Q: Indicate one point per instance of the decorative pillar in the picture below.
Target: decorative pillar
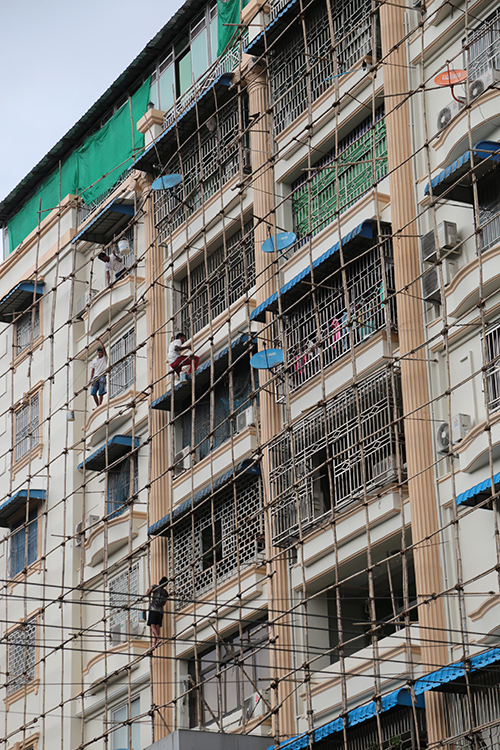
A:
(414, 377)
(162, 674)
(270, 412)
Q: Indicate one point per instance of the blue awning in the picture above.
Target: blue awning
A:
(161, 527)
(455, 182)
(108, 223)
(479, 492)
(442, 677)
(117, 447)
(161, 150)
(19, 299)
(182, 390)
(273, 29)
(300, 285)
(11, 504)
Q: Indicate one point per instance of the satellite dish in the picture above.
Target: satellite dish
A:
(167, 182)
(267, 359)
(279, 242)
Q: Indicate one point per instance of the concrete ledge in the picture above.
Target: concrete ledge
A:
(192, 739)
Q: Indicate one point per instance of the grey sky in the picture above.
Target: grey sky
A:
(56, 59)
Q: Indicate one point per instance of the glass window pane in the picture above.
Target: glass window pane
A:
(199, 52)
(167, 88)
(184, 73)
(213, 38)
(153, 95)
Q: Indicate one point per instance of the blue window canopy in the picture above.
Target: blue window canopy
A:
(162, 527)
(182, 390)
(455, 182)
(212, 98)
(274, 29)
(12, 504)
(479, 492)
(19, 299)
(108, 223)
(359, 239)
(117, 447)
(451, 678)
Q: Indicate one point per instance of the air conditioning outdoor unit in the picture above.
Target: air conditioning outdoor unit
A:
(430, 280)
(136, 627)
(254, 706)
(81, 527)
(183, 460)
(447, 114)
(447, 240)
(443, 438)
(460, 426)
(479, 85)
(117, 633)
(244, 419)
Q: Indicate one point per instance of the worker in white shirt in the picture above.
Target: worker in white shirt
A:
(114, 265)
(175, 358)
(99, 365)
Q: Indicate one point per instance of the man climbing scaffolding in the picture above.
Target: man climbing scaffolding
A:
(175, 358)
(155, 615)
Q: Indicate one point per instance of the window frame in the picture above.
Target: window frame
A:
(19, 524)
(33, 683)
(124, 361)
(34, 323)
(125, 608)
(128, 722)
(35, 434)
(129, 464)
(492, 365)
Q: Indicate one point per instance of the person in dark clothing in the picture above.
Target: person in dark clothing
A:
(155, 615)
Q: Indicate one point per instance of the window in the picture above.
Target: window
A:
(23, 543)
(21, 644)
(123, 483)
(26, 427)
(492, 346)
(122, 366)
(124, 603)
(484, 46)
(488, 189)
(27, 329)
(232, 670)
(126, 736)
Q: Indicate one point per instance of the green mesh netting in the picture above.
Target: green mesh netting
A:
(90, 170)
(228, 15)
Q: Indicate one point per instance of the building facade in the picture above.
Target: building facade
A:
(316, 207)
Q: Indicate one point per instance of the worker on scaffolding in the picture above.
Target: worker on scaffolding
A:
(114, 265)
(175, 357)
(159, 597)
(99, 365)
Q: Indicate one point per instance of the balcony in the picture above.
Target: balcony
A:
(110, 302)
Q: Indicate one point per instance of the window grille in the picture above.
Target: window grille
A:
(24, 543)
(206, 162)
(308, 349)
(119, 490)
(483, 731)
(489, 211)
(403, 728)
(27, 420)
(122, 366)
(238, 544)
(218, 281)
(492, 345)
(361, 163)
(125, 608)
(318, 465)
(484, 47)
(352, 23)
(27, 329)
(22, 656)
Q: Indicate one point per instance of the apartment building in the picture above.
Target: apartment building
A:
(316, 206)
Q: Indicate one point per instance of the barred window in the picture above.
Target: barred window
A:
(484, 46)
(124, 604)
(23, 543)
(492, 346)
(26, 427)
(122, 366)
(123, 484)
(27, 329)
(21, 644)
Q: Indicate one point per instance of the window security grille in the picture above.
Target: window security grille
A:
(361, 163)
(307, 348)
(27, 329)
(122, 366)
(492, 345)
(218, 281)
(237, 545)
(119, 489)
(489, 210)
(352, 24)
(125, 608)
(485, 699)
(27, 420)
(484, 47)
(319, 464)
(402, 729)
(22, 656)
(24, 543)
(205, 166)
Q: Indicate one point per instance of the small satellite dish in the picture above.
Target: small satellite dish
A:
(167, 182)
(450, 78)
(267, 359)
(279, 242)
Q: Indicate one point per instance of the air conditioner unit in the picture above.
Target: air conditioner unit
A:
(430, 280)
(81, 528)
(443, 438)
(183, 460)
(254, 706)
(460, 426)
(447, 114)
(117, 633)
(136, 627)
(479, 85)
(244, 419)
(384, 467)
(447, 239)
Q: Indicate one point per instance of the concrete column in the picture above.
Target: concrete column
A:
(415, 386)
(162, 673)
(270, 413)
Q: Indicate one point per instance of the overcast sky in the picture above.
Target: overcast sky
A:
(56, 58)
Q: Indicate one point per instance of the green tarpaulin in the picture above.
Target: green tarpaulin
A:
(90, 170)
(228, 12)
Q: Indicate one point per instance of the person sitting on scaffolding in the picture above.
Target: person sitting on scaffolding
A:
(175, 357)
